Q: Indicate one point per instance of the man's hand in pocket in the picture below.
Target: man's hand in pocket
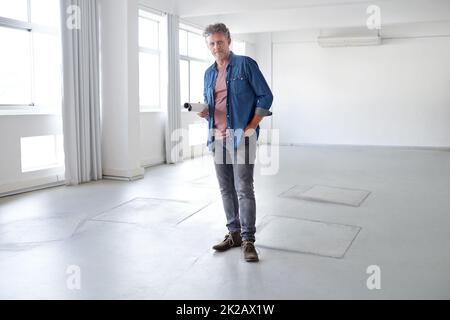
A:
(249, 131)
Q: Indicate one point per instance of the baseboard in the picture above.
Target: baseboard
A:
(123, 175)
(435, 148)
(31, 185)
(146, 163)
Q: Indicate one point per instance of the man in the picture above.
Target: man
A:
(238, 98)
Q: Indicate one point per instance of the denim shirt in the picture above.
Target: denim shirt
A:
(248, 94)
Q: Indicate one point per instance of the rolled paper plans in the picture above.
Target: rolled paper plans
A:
(197, 107)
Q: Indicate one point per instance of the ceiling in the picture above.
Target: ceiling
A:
(253, 16)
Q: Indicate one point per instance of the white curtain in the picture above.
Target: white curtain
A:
(81, 98)
(174, 146)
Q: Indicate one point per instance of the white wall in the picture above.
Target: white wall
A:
(263, 56)
(12, 128)
(152, 138)
(393, 94)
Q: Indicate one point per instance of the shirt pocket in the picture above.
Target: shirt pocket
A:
(239, 83)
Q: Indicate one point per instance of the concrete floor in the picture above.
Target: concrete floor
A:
(404, 230)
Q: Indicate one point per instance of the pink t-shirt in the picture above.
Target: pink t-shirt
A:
(220, 96)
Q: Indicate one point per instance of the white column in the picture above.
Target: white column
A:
(120, 89)
(173, 119)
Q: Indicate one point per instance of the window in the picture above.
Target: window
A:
(184, 81)
(238, 47)
(196, 78)
(14, 9)
(30, 58)
(149, 61)
(15, 66)
(197, 46)
(195, 58)
(41, 152)
(45, 12)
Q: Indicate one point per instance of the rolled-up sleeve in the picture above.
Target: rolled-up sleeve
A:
(260, 87)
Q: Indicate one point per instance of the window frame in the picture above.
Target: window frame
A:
(32, 107)
(183, 26)
(154, 16)
(26, 27)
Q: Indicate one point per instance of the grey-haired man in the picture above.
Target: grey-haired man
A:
(238, 98)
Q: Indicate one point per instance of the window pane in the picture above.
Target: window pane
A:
(41, 152)
(14, 9)
(15, 67)
(197, 75)
(183, 42)
(47, 71)
(197, 46)
(238, 47)
(149, 80)
(148, 33)
(45, 12)
(184, 81)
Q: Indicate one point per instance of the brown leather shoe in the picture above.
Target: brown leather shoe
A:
(250, 254)
(232, 239)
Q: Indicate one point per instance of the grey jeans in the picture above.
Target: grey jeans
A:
(234, 170)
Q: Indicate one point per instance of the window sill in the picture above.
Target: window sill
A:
(43, 168)
(24, 112)
(151, 111)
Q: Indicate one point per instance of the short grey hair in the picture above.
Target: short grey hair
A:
(217, 28)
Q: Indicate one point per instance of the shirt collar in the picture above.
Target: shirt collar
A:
(231, 59)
